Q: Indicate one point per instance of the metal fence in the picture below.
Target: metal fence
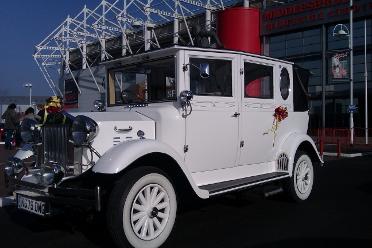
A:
(340, 137)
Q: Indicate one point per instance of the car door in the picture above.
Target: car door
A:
(212, 126)
(257, 109)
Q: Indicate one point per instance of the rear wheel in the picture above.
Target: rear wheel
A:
(301, 183)
(142, 209)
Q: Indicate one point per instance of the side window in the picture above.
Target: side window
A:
(284, 84)
(219, 82)
(258, 81)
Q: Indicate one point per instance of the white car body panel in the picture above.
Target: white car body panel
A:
(211, 126)
(170, 126)
(124, 119)
(121, 156)
(229, 174)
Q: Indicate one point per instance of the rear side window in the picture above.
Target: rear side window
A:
(284, 84)
(300, 85)
(258, 81)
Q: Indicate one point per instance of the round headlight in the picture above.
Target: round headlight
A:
(15, 166)
(52, 174)
(84, 130)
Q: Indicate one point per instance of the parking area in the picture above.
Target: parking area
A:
(4, 155)
(337, 215)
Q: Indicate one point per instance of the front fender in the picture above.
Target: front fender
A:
(291, 144)
(124, 154)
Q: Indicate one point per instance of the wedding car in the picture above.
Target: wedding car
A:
(175, 122)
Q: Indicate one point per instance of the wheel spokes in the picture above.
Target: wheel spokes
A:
(157, 223)
(142, 198)
(138, 207)
(138, 216)
(159, 198)
(162, 205)
(150, 212)
(144, 228)
(303, 177)
(140, 223)
(154, 194)
(162, 215)
(151, 228)
(148, 195)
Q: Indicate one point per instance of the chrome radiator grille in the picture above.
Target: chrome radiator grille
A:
(55, 143)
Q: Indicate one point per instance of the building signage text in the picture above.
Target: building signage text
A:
(310, 13)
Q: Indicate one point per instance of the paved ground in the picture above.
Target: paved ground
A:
(338, 215)
(4, 155)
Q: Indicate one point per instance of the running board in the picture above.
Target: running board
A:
(224, 187)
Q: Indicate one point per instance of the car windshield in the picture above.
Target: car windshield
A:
(147, 82)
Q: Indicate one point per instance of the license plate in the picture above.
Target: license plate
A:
(31, 205)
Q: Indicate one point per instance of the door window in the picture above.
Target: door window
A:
(219, 81)
(258, 81)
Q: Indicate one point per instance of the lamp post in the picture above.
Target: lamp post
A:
(351, 74)
(342, 30)
(365, 82)
(29, 85)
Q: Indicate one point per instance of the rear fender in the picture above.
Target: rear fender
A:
(124, 154)
(293, 143)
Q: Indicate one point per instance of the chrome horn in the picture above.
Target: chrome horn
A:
(185, 97)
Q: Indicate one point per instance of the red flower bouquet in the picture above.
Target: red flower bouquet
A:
(280, 114)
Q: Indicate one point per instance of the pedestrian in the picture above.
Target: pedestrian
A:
(30, 114)
(11, 123)
(29, 120)
(40, 113)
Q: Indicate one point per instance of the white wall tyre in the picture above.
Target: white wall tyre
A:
(301, 183)
(142, 209)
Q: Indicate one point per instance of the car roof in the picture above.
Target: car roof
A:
(176, 48)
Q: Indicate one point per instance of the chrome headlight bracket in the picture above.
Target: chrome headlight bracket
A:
(14, 167)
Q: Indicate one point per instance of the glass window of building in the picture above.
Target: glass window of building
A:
(295, 44)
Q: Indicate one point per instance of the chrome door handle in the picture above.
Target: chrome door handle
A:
(236, 114)
(120, 130)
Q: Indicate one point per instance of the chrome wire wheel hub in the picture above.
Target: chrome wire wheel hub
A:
(303, 177)
(150, 212)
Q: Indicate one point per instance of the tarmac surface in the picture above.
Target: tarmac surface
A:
(339, 214)
(4, 155)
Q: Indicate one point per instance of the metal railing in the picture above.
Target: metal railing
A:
(339, 137)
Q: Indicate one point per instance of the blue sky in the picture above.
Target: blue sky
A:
(23, 24)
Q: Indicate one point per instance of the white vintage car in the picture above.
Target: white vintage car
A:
(176, 121)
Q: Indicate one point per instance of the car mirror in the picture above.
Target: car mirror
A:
(204, 70)
(99, 105)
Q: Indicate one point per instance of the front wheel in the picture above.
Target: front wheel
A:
(300, 185)
(142, 209)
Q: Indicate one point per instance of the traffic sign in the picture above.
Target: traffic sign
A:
(352, 108)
